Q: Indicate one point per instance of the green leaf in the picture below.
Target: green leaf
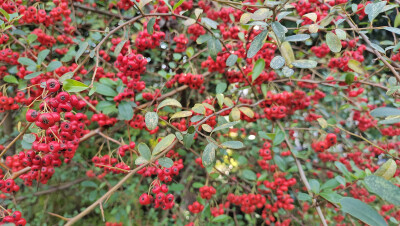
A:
(163, 144)
(144, 151)
(258, 68)
(6, 15)
(333, 42)
(343, 169)
(197, 185)
(89, 184)
(341, 180)
(233, 144)
(209, 22)
(203, 38)
(214, 46)
(249, 175)
(279, 30)
(279, 138)
(165, 162)
(349, 78)
(82, 47)
(125, 111)
(33, 75)
(190, 51)
(341, 34)
(66, 76)
(304, 63)
(231, 60)
(297, 38)
(303, 196)
(378, 47)
(221, 218)
(280, 162)
(208, 155)
(119, 47)
(225, 126)
(387, 170)
(188, 140)
(331, 196)
(53, 65)
(42, 55)
(374, 9)
(221, 87)
(70, 85)
(257, 44)
(31, 38)
(384, 188)
(277, 62)
(397, 20)
(330, 184)
(151, 120)
(29, 138)
(315, 187)
(140, 160)
(177, 4)
(11, 79)
(287, 71)
(362, 211)
(27, 62)
(384, 112)
(105, 90)
(150, 28)
(169, 102)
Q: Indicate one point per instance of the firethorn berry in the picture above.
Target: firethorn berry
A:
(53, 85)
(195, 207)
(206, 192)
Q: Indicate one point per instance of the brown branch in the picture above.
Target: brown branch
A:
(303, 176)
(15, 139)
(71, 221)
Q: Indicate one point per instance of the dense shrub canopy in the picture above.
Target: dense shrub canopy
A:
(199, 112)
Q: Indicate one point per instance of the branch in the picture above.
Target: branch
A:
(71, 221)
(15, 139)
(303, 176)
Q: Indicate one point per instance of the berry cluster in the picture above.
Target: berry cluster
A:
(320, 51)
(124, 148)
(131, 67)
(195, 30)
(127, 94)
(181, 42)
(195, 207)
(323, 145)
(144, 40)
(110, 164)
(104, 120)
(206, 192)
(3, 39)
(161, 199)
(14, 218)
(8, 56)
(248, 202)
(8, 186)
(193, 81)
(163, 174)
(9, 103)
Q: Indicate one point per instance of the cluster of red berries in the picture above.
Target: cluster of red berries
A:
(307, 6)
(320, 51)
(64, 69)
(127, 147)
(14, 218)
(206, 192)
(281, 104)
(364, 120)
(181, 42)
(161, 198)
(163, 174)
(307, 85)
(125, 48)
(181, 125)
(280, 187)
(265, 152)
(8, 56)
(195, 30)
(43, 38)
(199, 162)
(127, 94)
(219, 210)
(10, 6)
(216, 66)
(110, 164)
(193, 81)
(361, 10)
(131, 67)
(391, 130)
(104, 120)
(3, 39)
(195, 207)
(8, 186)
(125, 4)
(113, 224)
(342, 62)
(323, 145)
(229, 32)
(396, 57)
(9, 103)
(151, 96)
(248, 202)
(144, 40)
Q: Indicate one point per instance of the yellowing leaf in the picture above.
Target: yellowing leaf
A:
(181, 114)
(169, 102)
(313, 28)
(355, 66)
(387, 170)
(245, 18)
(206, 128)
(234, 115)
(311, 16)
(247, 111)
(287, 53)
